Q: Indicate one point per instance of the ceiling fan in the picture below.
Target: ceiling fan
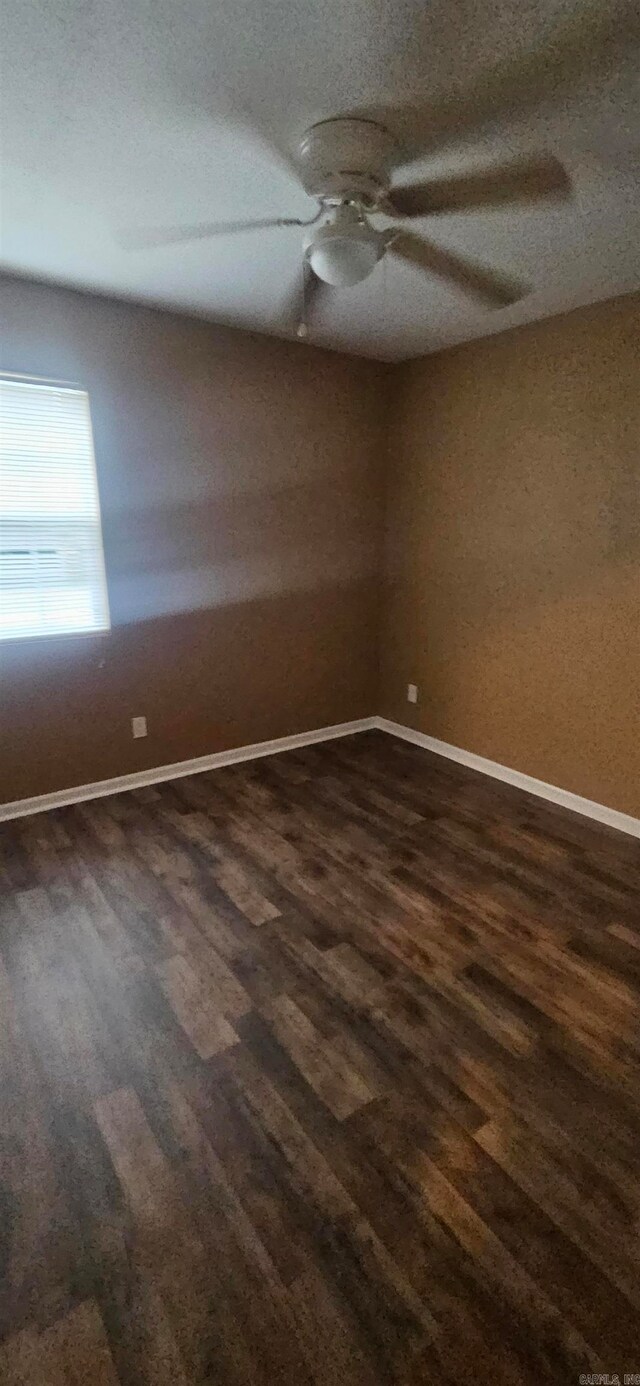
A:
(346, 164)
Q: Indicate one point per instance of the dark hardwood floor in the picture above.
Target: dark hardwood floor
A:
(321, 1070)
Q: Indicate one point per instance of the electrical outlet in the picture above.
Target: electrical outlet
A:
(138, 727)
(412, 692)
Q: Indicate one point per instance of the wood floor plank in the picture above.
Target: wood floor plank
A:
(319, 1070)
(27, 1360)
(338, 1084)
(169, 1249)
(195, 998)
(71, 1352)
(561, 1343)
(329, 1341)
(79, 1342)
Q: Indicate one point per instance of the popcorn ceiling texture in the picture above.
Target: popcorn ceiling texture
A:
(160, 112)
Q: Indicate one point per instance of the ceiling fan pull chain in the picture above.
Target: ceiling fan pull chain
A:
(385, 282)
(302, 329)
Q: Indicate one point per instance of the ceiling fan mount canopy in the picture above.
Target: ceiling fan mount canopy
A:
(347, 160)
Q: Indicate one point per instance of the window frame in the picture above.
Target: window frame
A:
(97, 632)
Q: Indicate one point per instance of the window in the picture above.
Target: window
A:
(52, 579)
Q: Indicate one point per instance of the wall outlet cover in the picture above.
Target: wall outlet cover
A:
(412, 692)
(138, 726)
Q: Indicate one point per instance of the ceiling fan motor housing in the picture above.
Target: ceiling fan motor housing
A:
(346, 160)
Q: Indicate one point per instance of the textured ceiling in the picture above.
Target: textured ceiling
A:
(123, 113)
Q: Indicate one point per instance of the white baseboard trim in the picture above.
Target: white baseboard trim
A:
(612, 817)
(19, 808)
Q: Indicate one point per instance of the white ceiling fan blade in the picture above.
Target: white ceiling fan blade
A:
(490, 286)
(146, 238)
(517, 183)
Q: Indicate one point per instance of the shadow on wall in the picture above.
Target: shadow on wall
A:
(232, 549)
(241, 505)
(206, 681)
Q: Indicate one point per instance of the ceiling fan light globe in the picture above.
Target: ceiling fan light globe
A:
(344, 260)
(345, 248)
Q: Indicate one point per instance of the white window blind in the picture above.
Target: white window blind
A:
(52, 579)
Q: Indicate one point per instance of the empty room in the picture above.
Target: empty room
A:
(320, 693)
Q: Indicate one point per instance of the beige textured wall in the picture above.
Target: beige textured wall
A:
(240, 487)
(513, 582)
